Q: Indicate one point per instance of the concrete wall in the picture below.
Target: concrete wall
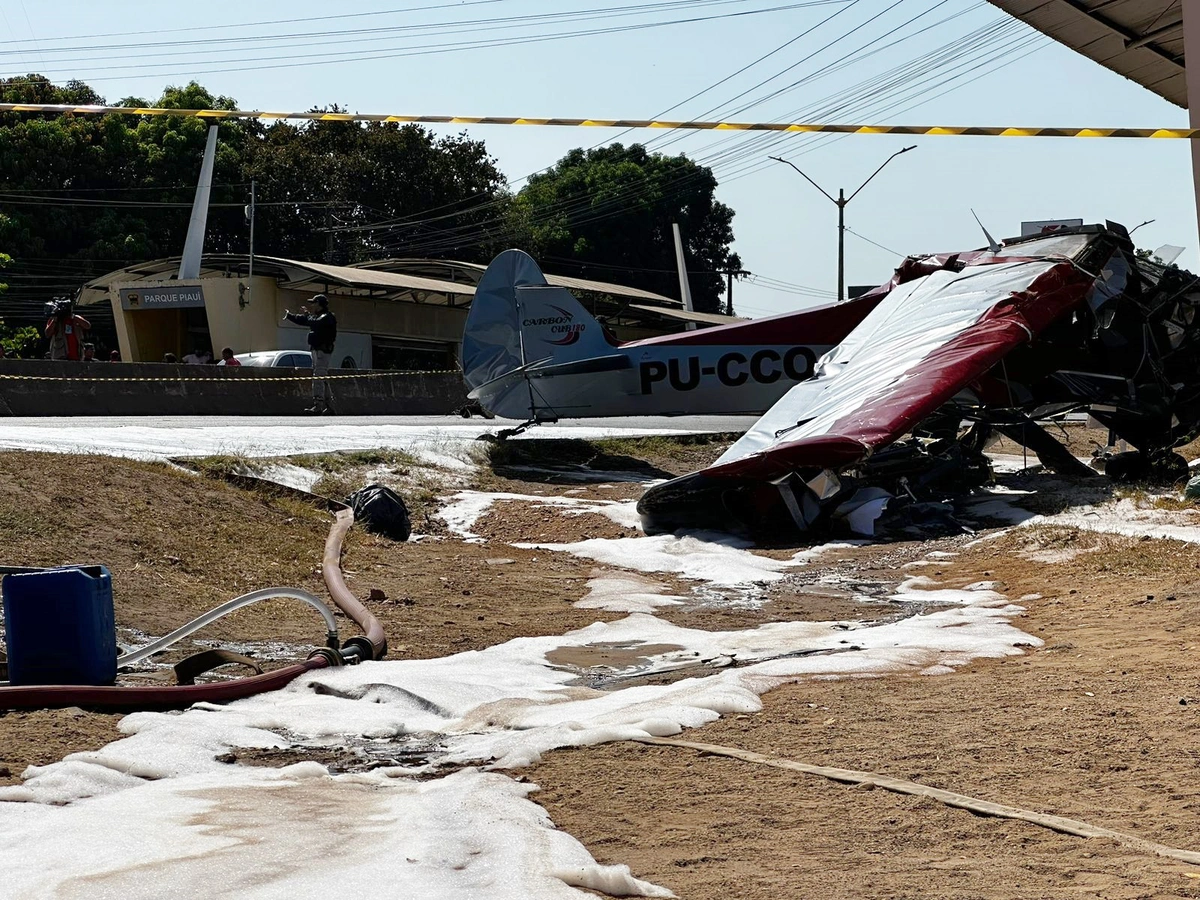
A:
(96, 389)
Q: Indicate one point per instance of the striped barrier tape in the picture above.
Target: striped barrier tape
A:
(797, 127)
(224, 379)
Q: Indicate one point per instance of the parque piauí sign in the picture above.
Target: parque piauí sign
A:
(163, 295)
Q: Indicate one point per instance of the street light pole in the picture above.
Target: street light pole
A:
(842, 201)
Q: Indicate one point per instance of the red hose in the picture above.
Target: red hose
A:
(176, 696)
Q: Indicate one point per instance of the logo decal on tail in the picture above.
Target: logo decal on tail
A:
(564, 330)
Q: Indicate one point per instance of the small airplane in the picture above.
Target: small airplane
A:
(986, 343)
(532, 352)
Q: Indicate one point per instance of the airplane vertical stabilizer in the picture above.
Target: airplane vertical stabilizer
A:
(517, 320)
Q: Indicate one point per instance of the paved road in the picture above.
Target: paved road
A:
(160, 437)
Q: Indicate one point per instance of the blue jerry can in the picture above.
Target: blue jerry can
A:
(58, 626)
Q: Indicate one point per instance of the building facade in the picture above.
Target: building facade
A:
(392, 314)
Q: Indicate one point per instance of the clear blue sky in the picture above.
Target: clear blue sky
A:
(785, 229)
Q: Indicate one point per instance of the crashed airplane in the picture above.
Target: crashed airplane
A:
(963, 347)
(532, 352)
(884, 402)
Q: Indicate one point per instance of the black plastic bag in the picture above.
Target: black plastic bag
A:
(382, 511)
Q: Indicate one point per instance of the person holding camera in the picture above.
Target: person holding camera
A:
(65, 330)
(322, 333)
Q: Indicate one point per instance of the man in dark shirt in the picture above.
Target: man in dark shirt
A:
(322, 333)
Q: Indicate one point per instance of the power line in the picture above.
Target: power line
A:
(227, 26)
(421, 49)
(874, 243)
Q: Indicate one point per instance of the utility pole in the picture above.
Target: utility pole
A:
(729, 276)
(328, 236)
(250, 217)
(842, 202)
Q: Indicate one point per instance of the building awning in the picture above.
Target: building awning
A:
(1140, 39)
(302, 276)
(409, 280)
(685, 316)
(474, 271)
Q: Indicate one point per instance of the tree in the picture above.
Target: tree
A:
(83, 195)
(607, 214)
(359, 192)
(17, 342)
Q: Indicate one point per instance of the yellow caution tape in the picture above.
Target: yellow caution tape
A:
(224, 379)
(799, 127)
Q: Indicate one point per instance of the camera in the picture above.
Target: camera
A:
(59, 308)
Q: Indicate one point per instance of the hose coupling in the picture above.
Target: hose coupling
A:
(331, 656)
(357, 649)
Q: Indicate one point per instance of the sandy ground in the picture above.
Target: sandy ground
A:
(1099, 724)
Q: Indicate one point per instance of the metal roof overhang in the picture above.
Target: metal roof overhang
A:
(474, 271)
(1140, 39)
(381, 278)
(685, 316)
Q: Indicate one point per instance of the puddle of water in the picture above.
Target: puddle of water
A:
(612, 656)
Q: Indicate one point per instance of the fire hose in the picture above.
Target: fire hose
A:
(373, 645)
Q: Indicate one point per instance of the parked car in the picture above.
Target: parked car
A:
(294, 359)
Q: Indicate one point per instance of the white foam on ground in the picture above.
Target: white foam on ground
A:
(465, 508)
(1055, 556)
(447, 441)
(627, 594)
(1123, 517)
(296, 832)
(165, 818)
(288, 475)
(720, 559)
(509, 704)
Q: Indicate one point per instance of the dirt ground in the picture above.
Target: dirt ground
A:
(1099, 724)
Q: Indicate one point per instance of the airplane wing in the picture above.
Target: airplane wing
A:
(928, 340)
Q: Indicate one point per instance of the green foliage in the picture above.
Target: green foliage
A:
(82, 195)
(348, 177)
(90, 187)
(614, 207)
(20, 343)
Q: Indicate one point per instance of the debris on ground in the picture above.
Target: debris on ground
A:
(965, 348)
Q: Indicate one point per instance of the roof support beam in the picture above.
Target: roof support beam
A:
(1157, 34)
(1121, 31)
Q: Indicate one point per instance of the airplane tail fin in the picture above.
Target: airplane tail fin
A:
(518, 321)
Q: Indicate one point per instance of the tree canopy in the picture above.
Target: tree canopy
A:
(83, 195)
(607, 213)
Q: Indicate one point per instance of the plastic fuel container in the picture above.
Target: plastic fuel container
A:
(58, 626)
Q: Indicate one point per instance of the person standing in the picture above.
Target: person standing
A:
(65, 330)
(228, 359)
(322, 334)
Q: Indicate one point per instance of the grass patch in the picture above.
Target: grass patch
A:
(17, 522)
(226, 464)
(1057, 537)
(355, 459)
(1175, 504)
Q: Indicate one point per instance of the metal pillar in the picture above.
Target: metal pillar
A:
(1191, 53)
(193, 245)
